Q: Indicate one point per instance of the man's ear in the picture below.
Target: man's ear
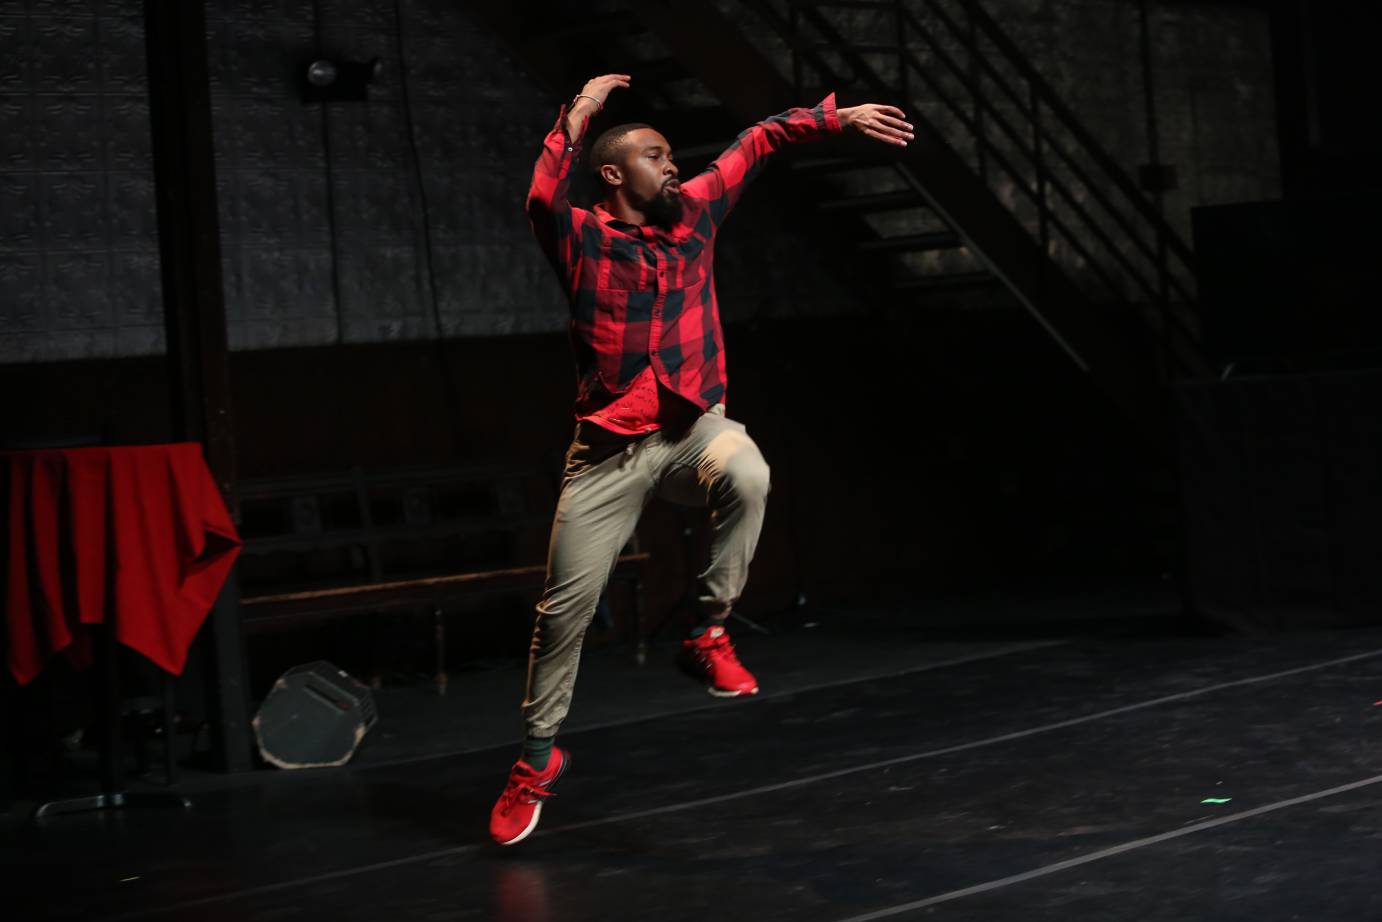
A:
(609, 172)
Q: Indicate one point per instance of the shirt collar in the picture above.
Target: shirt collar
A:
(680, 232)
(608, 218)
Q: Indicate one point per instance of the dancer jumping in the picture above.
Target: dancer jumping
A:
(645, 329)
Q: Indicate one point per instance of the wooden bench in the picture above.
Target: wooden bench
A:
(411, 539)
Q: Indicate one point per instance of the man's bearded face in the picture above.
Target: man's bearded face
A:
(650, 177)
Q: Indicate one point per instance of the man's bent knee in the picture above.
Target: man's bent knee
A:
(749, 479)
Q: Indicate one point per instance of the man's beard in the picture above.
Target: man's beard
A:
(664, 209)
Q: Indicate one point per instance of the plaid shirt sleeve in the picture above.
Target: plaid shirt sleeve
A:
(721, 184)
(555, 223)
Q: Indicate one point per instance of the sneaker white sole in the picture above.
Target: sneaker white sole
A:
(719, 693)
(697, 674)
(532, 824)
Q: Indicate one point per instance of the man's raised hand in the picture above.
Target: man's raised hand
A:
(590, 100)
(599, 88)
(885, 123)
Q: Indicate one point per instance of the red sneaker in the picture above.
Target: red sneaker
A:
(710, 658)
(515, 814)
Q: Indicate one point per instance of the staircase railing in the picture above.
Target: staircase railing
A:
(1015, 131)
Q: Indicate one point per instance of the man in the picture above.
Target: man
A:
(649, 352)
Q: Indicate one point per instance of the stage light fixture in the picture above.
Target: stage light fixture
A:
(321, 73)
(327, 80)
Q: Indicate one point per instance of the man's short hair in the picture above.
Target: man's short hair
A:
(609, 146)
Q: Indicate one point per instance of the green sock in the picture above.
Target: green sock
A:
(537, 750)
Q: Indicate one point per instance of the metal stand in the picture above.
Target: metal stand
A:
(113, 794)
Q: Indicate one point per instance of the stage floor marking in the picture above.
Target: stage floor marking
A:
(960, 747)
(814, 779)
(741, 702)
(1108, 852)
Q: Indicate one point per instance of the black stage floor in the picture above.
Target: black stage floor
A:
(886, 772)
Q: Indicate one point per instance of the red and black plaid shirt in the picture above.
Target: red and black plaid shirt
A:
(643, 297)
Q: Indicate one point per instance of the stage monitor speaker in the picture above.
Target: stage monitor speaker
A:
(315, 716)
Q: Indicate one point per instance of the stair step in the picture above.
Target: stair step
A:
(860, 47)
(825, 165)
(853, 4)
(937, 240)
(873, 202)
(946, 281)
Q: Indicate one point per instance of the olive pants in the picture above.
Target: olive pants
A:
(608, 481)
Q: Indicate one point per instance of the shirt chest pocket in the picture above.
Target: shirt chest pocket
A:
(690, 263)
(625, 265)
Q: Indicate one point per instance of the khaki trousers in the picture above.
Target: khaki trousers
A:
(608, 481)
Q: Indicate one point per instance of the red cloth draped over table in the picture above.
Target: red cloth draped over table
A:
(136, 536)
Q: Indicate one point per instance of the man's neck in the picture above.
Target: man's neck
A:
(620, 209)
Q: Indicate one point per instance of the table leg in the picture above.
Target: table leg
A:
(439, 628)
(640, 642)
(9, 741)
(170, 729)
(113, 794)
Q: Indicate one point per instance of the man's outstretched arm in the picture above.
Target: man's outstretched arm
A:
(548, 206)
(725, 180)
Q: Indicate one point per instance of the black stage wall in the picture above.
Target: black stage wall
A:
(1283, 486)
(914, 453)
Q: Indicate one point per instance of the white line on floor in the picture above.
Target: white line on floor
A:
(962, 747)
(1108, 852)
(788, 785)
(575, 727)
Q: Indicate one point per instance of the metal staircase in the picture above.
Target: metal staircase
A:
(1002, 182)
(952, 62)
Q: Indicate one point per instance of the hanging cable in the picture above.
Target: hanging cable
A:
(330, 185)
(450, 392)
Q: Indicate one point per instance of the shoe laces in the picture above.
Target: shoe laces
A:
(719, 647)
(521, 788)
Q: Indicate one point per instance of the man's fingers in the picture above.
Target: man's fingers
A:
(889, 131)
(891, 139)
(600, 87)
(886, 123)
(609, 82)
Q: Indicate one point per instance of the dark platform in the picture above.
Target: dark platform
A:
(887, 772)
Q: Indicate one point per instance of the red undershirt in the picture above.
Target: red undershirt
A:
(645, 407)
